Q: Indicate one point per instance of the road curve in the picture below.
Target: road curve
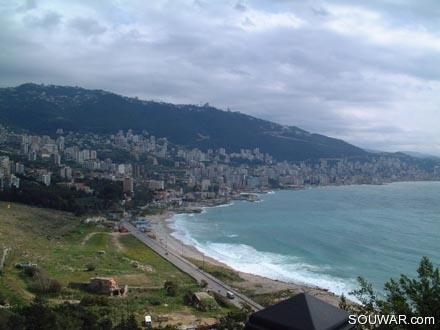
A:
(189, 268)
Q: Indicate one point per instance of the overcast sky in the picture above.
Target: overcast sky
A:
(365, 71)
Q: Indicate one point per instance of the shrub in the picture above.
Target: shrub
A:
(171, 288)
(91, 267)
(90, 300)
(31, 271)
(418, 297)
(222, 301)
(188, 298)
(43, 284)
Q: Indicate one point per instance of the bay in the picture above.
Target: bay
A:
(324, 237)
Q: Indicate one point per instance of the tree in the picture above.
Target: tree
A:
(171, 288)
(105, 324)
(121, 325)
(127, 324)
(15, 322)
(418, 297)
(343, 304)
(131, 323)
(235, 319)
(39, 316)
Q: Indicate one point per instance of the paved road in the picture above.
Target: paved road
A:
(213, 283)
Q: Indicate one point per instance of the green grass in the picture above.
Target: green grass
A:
(57, 242)
(268, 299)
(161, 268)
(226, 275)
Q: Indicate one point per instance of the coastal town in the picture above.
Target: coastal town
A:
(180, 180)
(219, 165)
(178, 177)
(175, 179)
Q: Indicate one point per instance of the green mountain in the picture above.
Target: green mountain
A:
(43, 109)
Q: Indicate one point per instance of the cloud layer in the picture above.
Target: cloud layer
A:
(366, 72)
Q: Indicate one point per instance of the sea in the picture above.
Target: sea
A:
(324, 237)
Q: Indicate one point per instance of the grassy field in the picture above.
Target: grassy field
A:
(64, 248)
(226, 275)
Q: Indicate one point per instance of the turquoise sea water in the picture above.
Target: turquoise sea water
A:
(323, 236)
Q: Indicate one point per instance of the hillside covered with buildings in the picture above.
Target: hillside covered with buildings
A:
(42, 109)
(98, 170)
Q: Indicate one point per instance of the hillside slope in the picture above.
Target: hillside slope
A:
(43, 109)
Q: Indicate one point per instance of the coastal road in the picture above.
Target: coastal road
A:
(189, 268)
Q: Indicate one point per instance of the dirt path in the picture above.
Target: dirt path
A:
(114, 239)
(5, 253)
(88, 237)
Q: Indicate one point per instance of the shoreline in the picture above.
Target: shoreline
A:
(162, 232)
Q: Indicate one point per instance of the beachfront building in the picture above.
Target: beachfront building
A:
(301, 312)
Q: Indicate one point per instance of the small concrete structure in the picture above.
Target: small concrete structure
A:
(104, 285)
(204, 302)
(25, 264)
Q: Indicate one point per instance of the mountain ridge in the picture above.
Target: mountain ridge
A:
(45, 108)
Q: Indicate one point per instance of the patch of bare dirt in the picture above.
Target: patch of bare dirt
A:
(184, 318)
(88, 237)
(115, 241)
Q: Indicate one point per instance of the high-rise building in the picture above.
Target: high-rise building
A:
(57, 159)
(127, 185)
(60, 143)
(66, 173)
(45, 178)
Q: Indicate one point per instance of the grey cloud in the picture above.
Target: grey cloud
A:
(48, 20)
(240, 7)
(426, 12)
(87, 26)
(247, 22)
(197, 52)
(320, 11)
(28, 5)
(199, 3)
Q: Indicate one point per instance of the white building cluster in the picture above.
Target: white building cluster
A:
(8, 171)
(193, 174)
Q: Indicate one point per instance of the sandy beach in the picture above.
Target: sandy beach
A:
(260, 285)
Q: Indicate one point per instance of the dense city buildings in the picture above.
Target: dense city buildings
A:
(179, 175)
